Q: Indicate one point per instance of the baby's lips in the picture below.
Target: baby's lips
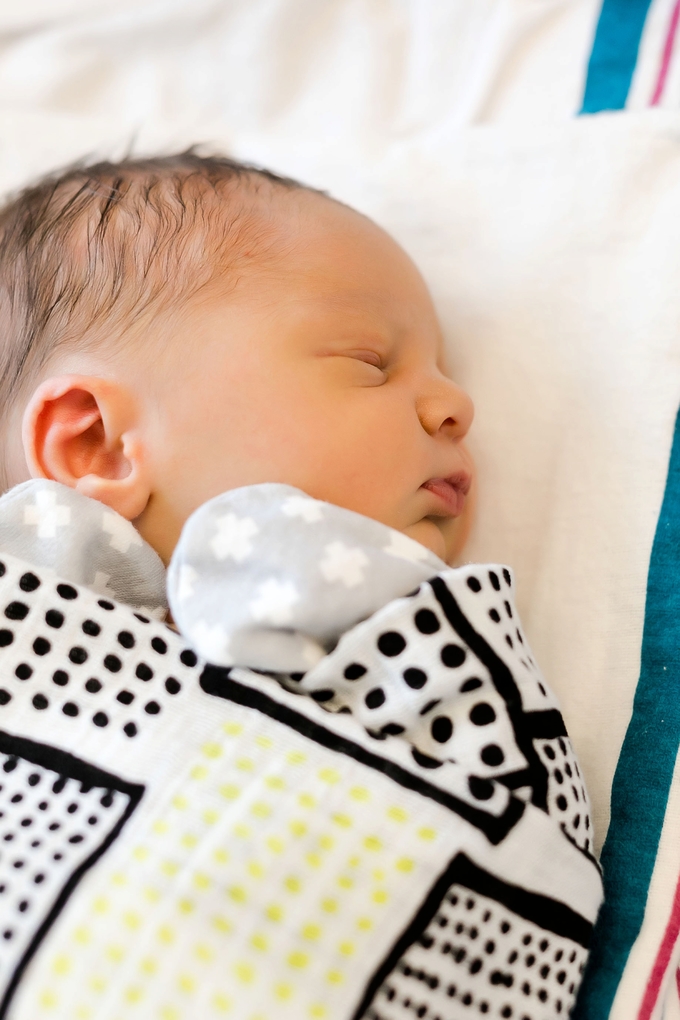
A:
(451, 491)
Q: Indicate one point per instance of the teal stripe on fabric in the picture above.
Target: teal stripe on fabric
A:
(645, 767)
(614, 54)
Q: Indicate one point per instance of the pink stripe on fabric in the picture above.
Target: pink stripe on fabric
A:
(670, 937)
(666, 56)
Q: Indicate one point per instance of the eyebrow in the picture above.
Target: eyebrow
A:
(364, 299)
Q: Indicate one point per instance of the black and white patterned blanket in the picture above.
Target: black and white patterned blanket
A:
(400, 831)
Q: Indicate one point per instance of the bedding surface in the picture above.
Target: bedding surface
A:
(550, 243)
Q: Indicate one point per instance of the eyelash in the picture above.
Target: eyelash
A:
(369, 358)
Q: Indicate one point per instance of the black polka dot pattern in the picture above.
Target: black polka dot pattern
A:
(492, 589)
(446, 704)
(375, 698)
(447, 707)
(28, 582)
(481, 789)
(477, 958)
(482, 714)
(51, 823)
(84, 656)
(417, 685)
(453, 656)
(16, 611)
(442, 729)
(391, 643)
(415, 678)
(567, 797)
(426, 621)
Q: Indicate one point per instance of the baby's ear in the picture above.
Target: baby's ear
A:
(84, 432)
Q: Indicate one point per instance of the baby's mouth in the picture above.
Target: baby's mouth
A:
(451, 491)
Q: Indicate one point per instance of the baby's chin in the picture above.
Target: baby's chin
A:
(438, 534)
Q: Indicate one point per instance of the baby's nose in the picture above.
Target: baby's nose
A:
(446, 409)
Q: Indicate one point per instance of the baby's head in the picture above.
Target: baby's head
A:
(171, 328)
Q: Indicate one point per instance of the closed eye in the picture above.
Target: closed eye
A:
(361, 366)
(368, 357)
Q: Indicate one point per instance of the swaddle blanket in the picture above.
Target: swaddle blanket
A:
(266, 577)
(398, 831)
(82, 541)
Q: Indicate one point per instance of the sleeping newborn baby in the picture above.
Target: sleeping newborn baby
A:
(215, 369)
(219, 330)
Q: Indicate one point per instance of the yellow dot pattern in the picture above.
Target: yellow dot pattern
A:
(275, 876)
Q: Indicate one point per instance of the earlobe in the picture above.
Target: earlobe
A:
(81, 431)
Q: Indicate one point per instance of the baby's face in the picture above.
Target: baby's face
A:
(322, 371)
